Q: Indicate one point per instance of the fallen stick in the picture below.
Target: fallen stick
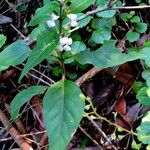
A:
(92, 72)
(14, 133)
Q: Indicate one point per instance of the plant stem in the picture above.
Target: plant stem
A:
(105, 119)
(89, 13)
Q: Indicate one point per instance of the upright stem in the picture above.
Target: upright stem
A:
(64, 71)
(60, 32)
(60, 19)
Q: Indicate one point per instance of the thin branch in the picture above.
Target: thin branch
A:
(52, 81)
(100, 147)
(48, 84)
(131, 7)
(14, 133)
(104, 135)
(17, 31)
(18, 122)
(92, 72)
(90, 13)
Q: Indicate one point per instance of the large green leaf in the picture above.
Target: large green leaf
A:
(141, 27)
(99, 36)
(37, 31)
(146, 76)
(14, 54)
(144, 129)
(44, 12)
(83, 22)
(22, 97)
(46, 43)
(2, 40)
(108, 56)
(78, 46)
(103, 23)
(79, 5)
(63, 109)
(106, 13)
(132, 36)
(143, 97)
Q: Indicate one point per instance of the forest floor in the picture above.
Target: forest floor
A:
(111, 91)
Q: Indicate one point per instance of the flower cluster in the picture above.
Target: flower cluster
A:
(51, 23)
(60, 1)
(65, 44)
(74, 19)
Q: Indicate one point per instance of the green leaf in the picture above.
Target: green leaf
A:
(146, 44)
(143, 97)
(146, 76)
(99, 36)
(141, 27)
(107, 13)
(83, 22)
(144, 130)
(78, 46)
(136, 146)
(46, 43)
(132, 13)
(44, 13)
(135, 19)
(22, 97)
(21, 7)
(132, 36)
(103, 23)
(108, 56)
(46, 2)
(138, 1)
(63, 109)
(137, 86)
(125, 16)
(37, 31)
(2, 40)
(79, 5)
(14, 54)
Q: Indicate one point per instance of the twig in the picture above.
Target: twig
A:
(104, 135)
(18, 122)
(131, 7)
(107, 7)
(18, 31)
(89, 13)
(92, 72)
(52, 81)
(23, 135)
(100, 147)
(36, 77)
(43, 139)
(14, 133)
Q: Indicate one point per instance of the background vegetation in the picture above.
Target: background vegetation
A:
(75, 74)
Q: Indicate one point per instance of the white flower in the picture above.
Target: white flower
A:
(54, 17)
(63, 40)
(74, 23)
(74, 19)
(65, 43)
(67, 48)
(60, 0)
(51, 23)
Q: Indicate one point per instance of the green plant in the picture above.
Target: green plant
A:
(56, 27)
(136, 26)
